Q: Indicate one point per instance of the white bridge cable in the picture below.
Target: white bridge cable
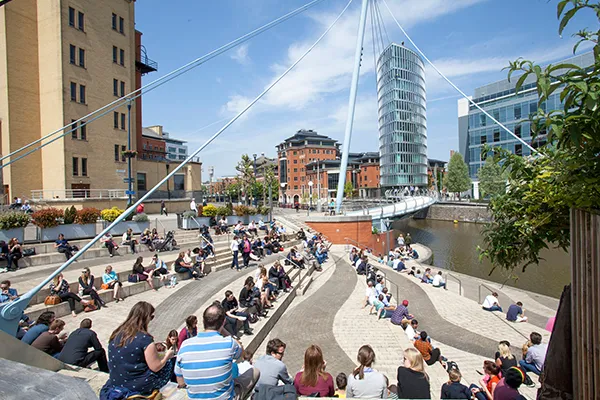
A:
(379, 23)
(387, 38)
(152, 85)
(12, 310)
(456, 87)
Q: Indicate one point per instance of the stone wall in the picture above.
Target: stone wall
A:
(459, 212)
(339, 228)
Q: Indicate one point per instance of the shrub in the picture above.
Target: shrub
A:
(252, 210)
(209, 211)
(87, 215)
(241, 210)
(110, 214)
(47, 217)
(141, 217)
(14, 219)
(264, 210)
(224, 211)
(190, 214)
(70, 215)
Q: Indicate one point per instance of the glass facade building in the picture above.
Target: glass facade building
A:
(512, 110)
(401, 98)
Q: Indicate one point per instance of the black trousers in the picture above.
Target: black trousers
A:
(111, 248)
(95, 355)
(71, 298)
(67, 251)
(246, 258)
(435, 357)
(94, 295)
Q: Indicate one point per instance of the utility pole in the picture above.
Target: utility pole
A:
(211, 173)
(351, 104)
(264, 180)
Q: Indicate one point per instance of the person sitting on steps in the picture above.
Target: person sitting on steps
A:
(86, 286)
(128, 240)
(63, 246)
(490, 303)
(75, 350)
(111, 280)
(109, 243)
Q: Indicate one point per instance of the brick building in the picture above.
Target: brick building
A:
(294, 154)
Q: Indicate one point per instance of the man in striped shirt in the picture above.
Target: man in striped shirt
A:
(205, 362)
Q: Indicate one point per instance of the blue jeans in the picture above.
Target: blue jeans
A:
(442, 285)
(234, 262)
(386, 314)
(478, 395)
(529, 367)
(493, 308)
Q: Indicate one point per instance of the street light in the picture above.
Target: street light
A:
(283, 184)
(310, 185)
(254, 170)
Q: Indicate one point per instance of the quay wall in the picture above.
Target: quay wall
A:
(476, 213)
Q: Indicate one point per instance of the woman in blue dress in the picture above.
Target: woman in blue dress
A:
(134, 362)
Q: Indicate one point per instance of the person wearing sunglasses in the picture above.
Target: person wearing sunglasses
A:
(272, 368)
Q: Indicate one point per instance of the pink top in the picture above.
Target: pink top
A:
(183, 335)
(550, 324)
(324, 386)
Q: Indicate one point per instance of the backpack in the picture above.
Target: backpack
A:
(451, 365)
(269, 392)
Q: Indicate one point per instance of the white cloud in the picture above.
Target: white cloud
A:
(241, 54)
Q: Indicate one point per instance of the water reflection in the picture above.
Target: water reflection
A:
(455, 247)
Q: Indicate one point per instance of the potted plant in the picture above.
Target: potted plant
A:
(262, 213)
(227, 212)
(242, 213)
(69, 215)
(138, 223)
(191, 220)
(12, 225)
(49, 221)
(129, 153)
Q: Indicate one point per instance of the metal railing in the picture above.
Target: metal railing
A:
(161, 224)
(479, 290)
(460, 293)
(74, 194)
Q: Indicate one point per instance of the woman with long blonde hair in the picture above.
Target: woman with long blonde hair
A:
(313, 378)
(133, 356)
(505, 359)
(413, 382)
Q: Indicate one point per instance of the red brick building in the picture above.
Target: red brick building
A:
(294, 154)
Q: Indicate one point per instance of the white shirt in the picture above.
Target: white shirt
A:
(400, 241)
(370, 293)
(395, 263)
(193, 206)
(235, 246)
(438, 280)
(379, 288)
(251, 225)
(489, 301)
(410, 332)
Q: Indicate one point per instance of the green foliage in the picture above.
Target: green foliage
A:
(252, 211)
(348, 189)
(492, 181)
(141, 217)
(13, 219)
(110, 214)
(87, 215)
(233, 190)
(70, 215)
(534, 212)
(457, 179)
(189, 214)
(224, 211)
(264, 210)
(209, 211)
(245, 169)
(47, 217)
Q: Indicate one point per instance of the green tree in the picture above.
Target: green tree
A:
(492, 181)
(233, 190)
(457, 179)
(270, 181)
(246, 175)
(565, 174)
(348, 190)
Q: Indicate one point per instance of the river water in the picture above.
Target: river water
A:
(454, 247)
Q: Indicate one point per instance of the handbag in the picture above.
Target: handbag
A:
(90, 307)
(133, 278)
(52, 300)
(29, 252)
(104, 286)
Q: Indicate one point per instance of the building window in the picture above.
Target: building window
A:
(518, 130)
(295, 178)
(83, 131)
(74, 129)
(114, 21)
(75, 166)
(72, 52)
(517, 112)
(497, 136)
(82, 58)
(116, 120)
(295, 169)
(115, 54)
(116, 87)
(141, 181)
(182, 151)
(71, 16)
(73, 91)
(121, 25)
(122, 88)
(123, 148)
(483, 139)
(116, 152)
(122, 57)
(123, 121)
(81, 21)
(82, 94)
(84, 167)
(519, 149)
(178, 182)
(295, 187)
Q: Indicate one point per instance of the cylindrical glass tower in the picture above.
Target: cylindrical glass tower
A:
(402, 118)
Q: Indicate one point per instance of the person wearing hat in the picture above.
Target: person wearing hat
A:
(401, 316)
(508, 387)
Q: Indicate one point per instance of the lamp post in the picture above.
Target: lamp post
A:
(129, 180)
(310, 185)
(254, 170)
(168, 187)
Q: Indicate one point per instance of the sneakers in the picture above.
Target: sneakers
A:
(248, 332)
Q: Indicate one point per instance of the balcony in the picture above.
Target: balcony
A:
(144, 64)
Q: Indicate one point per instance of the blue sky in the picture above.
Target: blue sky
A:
(469, 40)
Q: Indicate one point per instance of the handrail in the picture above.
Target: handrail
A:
(479, 290)
(360, 245)
(161, 224)
(459, 283)
(207, 241)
